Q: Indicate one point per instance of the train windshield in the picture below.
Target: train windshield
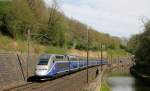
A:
(59, 58)
(43, 62)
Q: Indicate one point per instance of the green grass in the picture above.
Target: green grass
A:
(8, 44)
(92, 78)
(104, 87)
(116, 52)
(56, 50)
(5, 43)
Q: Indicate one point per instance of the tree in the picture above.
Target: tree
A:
(4, 9)
(142, 53)
(133, 43)
(20, 18)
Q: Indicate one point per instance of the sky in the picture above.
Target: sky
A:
(120, 18)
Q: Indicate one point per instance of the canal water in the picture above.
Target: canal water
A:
(126, 83)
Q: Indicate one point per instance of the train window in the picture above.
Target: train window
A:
(59, 58)
(43, 62)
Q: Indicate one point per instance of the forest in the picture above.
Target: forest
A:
(49, 26)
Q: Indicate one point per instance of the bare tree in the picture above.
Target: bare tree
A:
(54, 15)
(31, 3)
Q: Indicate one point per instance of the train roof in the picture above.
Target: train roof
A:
(47, 56)
(73, 55)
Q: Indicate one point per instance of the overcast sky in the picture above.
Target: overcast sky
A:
(115, 17)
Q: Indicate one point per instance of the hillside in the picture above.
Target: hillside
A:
(50, 29)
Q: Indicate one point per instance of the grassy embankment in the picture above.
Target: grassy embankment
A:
(104, 87)
(117, 52)
(7, 44)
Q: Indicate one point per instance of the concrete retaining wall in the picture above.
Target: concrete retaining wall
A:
(10, 71)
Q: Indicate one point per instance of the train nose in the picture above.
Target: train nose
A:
(40, 72)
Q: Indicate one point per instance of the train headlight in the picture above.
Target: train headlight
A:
(41, 69)
(45, 69)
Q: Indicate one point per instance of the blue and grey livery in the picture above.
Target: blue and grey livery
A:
(50, 65)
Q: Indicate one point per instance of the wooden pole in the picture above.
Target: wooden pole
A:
(28, 51)
(101, 57)
(87, 53)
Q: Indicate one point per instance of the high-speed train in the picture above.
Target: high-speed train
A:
(51, 65)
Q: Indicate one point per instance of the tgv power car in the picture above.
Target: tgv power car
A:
(50, 65)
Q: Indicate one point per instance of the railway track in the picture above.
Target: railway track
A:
(20, 87)
(52, 83)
